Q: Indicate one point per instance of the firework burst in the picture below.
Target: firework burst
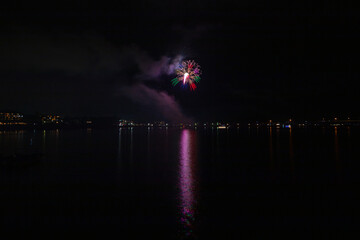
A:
(188, 72)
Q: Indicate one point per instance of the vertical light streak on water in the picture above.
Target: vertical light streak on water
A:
(349, 145)
(131, 144)
(337, 158)
(44, 142)
(119, 154)
(271, 148)
(148, 142)
(187, 181)
(57, 134)
(278, 149)
(271, 152)
(291, 153)
(217, 144)
(336, 143)
(20, 139)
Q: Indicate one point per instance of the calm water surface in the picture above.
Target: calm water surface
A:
(182, 183)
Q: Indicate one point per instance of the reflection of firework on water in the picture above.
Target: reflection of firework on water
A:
(188, 182)
(188, 73)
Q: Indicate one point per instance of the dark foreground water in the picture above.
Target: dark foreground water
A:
(181, 183)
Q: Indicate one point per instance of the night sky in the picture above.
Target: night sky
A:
(260, 59)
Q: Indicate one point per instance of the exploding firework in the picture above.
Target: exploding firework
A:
(188, 73)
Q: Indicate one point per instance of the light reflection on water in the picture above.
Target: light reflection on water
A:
(88, 160)
(271, 153)
(119, 154)
(187, 180)
(131, 144)
(291, 153)
(337, 155)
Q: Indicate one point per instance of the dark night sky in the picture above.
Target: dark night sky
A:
(260, 59)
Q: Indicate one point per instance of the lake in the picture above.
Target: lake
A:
(181, 183)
